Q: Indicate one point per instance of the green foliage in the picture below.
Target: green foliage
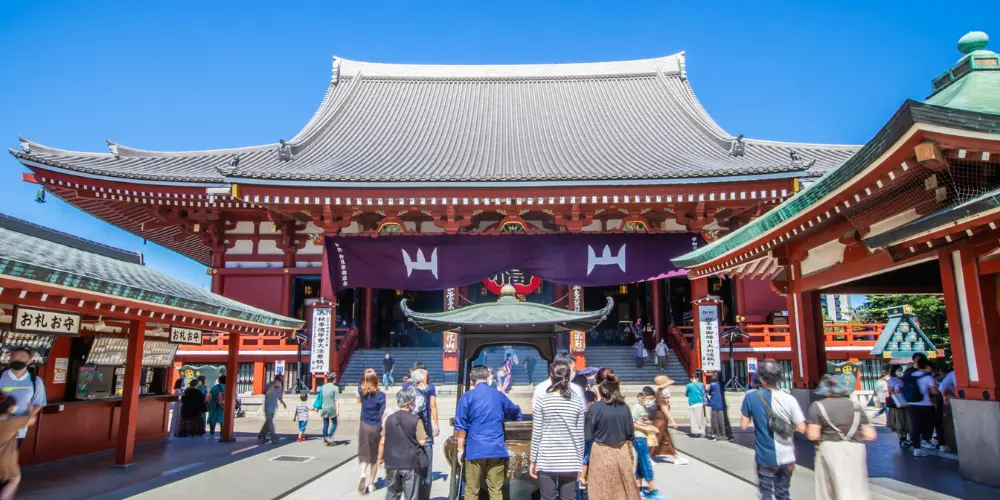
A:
(929, 310)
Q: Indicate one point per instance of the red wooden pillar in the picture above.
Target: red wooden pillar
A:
(368, 310)
(805, 325)
(656, 296)
(741, 299)
(286, 294)
(232, 372)
(258, 377)
(217, 280)
(130, 394)
(973, 323)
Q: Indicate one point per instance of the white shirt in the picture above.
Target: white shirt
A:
(947, 384)
(925, 382)
(785, 405)
(543, 387)
(661, 349)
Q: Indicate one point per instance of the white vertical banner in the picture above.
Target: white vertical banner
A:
(708, 325)
(319, 360)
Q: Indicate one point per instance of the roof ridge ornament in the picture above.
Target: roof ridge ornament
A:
(335, 77)
(285, 151)
(737, 148)
(230, 168)
(25, 145)
(794, 155)
(114, 149)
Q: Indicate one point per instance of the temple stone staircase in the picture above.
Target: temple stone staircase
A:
(621, 359)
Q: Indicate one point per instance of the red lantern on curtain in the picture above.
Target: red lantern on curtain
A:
(523, 282)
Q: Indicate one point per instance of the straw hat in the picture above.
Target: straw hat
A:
(662, 381)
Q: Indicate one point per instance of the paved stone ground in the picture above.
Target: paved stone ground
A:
(202, 468)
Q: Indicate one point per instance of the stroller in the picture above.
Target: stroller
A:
(239, 409)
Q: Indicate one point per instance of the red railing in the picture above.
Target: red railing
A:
(681, 338)
(347, 347)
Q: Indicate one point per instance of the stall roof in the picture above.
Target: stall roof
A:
(32, 252)
(508, 314)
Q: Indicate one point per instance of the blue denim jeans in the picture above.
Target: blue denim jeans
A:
(329, 427)
(774, 482)
(388, 379)
(643, 463)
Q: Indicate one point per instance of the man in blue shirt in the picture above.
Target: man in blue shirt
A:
(479, 423)
(775, 453)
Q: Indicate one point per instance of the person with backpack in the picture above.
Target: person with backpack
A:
(401, 449)
(838, 426)
(918, 389)
(23, 385)
(216, 405)
(775, 416)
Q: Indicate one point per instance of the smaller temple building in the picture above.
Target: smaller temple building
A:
(104, 329)
(915, 210)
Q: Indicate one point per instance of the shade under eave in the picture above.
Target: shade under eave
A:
(508, 314)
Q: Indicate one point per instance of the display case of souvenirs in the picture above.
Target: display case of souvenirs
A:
(39, 344)
(158, 353)
(108, 351)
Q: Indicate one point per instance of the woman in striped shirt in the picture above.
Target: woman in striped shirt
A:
(557, 436)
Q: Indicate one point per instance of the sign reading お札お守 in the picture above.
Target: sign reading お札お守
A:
(180, 335)
(29, 320)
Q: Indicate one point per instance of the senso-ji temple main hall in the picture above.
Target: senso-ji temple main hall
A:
(442, 182)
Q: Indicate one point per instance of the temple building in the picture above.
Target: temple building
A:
(915, 210)
(435, 183)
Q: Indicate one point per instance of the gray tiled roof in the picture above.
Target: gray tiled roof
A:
(33, 252)
(424, 123)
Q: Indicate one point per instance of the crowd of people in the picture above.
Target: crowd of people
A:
(917, 403)
(587, 441)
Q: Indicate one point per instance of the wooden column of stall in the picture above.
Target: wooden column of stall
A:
(130, 394)
(232, 371)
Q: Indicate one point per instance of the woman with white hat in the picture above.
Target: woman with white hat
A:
(661, 420)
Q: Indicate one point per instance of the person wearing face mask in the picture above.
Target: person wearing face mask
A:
(898, 419)
(18, 381)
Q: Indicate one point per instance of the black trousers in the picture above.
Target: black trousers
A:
(923, 419)
(639, 362)
(557, 486)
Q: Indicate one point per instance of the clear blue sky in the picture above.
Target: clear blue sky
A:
(198, 75)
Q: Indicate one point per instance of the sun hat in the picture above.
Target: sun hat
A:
(662, 381)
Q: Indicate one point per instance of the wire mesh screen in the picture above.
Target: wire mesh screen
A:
(922, 190)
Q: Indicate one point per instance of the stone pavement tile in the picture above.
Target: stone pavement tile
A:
(738, 459)
(699, 481)
(342, 483)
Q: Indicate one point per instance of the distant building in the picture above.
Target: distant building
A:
(836, 307)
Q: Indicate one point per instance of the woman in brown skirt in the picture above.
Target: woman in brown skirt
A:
(663, 419)
(372, 401)
(610, 472)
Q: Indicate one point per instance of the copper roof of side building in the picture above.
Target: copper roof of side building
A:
(562, 124)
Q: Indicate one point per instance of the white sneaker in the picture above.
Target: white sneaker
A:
(945, 449)
(928, 446)
(362, 482)
(668, 459)
(682, 461)
(919, 452)
(370, 489)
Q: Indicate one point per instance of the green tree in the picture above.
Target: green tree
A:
(929, 310)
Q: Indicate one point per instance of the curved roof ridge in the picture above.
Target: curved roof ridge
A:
(767, 142)
(326, 113)
(669, 64)
(130, 152)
